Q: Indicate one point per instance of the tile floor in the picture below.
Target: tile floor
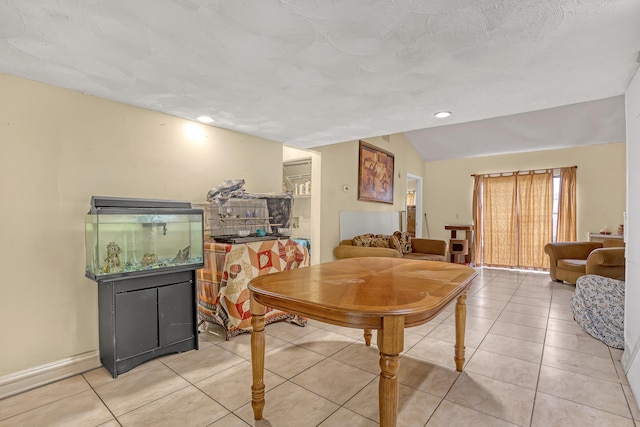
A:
(528, 364)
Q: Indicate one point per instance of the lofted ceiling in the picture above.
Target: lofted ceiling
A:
(518, 75)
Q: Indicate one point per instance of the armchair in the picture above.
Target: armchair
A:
(571, 260)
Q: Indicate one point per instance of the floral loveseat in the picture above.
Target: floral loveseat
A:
(397, 245)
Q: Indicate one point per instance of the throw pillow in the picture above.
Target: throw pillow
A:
(405, 241)
(394, 243)
(363, 240)
(380, 241)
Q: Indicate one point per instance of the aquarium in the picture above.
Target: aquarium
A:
(125, 236)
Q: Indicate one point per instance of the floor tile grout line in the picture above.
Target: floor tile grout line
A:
(544, 341)
(627, 401)
(576, 351)
(53, 401)
(376, 378)
(577, 373)
(629, 404)
(322, 397)
(189, 384)
(81, 375)
(101, 400)
(194, 384)
(444, 397)
(585, 405)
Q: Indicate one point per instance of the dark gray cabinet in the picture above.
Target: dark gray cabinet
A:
(141, 318)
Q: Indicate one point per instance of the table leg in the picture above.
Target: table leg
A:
(461, 320)
(390, 344)
(367, 337)
(257, 357)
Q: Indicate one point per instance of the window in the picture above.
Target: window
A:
(517, 213)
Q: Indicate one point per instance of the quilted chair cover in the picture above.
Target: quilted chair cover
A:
(598, 306)
(223, 296)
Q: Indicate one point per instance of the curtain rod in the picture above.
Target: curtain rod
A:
(518, 172)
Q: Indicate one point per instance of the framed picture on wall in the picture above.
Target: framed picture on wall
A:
(375, 174)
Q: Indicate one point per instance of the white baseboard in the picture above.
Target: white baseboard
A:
(21, 381)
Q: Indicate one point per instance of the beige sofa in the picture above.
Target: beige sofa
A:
(570, 260)
(423, 249)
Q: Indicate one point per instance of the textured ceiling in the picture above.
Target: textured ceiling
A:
(315, 72)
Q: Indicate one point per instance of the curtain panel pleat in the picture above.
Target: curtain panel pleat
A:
(566, 226)
(535, 218)
(500, 233)
(478, 228)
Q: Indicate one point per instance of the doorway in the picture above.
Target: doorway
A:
(301, 170)
(414, 205)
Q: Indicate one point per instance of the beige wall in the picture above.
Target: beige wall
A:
(601, 185)
(340, 167)
(59, 148)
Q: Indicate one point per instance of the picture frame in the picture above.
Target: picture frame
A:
(375, 174)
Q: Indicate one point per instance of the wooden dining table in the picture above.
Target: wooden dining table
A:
(385, 294)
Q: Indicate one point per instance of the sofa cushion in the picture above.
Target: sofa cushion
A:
(425, 257)
(405, 241)
(363, 240)
(577, 265)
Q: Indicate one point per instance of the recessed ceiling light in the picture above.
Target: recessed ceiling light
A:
(205, 119)
(442, 114)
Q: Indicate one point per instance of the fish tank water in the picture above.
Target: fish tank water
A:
(126, 236)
